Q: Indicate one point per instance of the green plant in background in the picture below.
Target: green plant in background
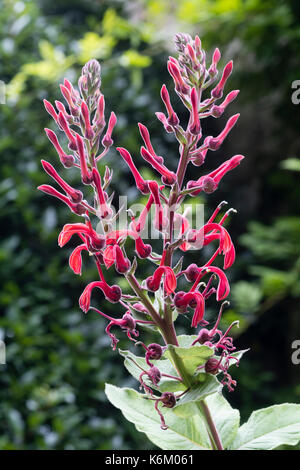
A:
(265, 36)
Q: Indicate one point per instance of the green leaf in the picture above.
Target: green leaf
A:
(164, 365)
(269, 428)
(182, 433)
(189, 357)
(208, 385)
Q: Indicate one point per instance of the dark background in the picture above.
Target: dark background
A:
(58, 360)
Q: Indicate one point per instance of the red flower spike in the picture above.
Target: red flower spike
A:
(107, 140)
(168, 177)
(172, 116)
(141, 184)
(78, 209)
(66, 160)
(217, 92)
(74, 194)
(75, 260)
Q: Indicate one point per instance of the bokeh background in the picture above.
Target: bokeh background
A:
(58, 360)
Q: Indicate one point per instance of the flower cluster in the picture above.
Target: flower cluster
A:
(83, 123)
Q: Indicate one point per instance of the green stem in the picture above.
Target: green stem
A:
(187, 380)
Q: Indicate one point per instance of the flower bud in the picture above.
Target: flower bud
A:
(154, 375)
(191, 272)
(212, 366)
(168, 399)
(154, 351)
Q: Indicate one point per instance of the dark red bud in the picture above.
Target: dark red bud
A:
(209, 185)
(79, 209)
(191, 272)
(154, 351)
(154, 374)
(114, 294)
(212, 366)
(98, 243)
(128, 322)
(179, 301)
(67, 160)
(168, 399)
(204, 336)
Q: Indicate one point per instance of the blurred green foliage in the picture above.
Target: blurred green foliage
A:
(51, 389)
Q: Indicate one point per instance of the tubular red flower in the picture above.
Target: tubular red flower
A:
(143, 250)
(194, 128)
(103, 208)
(122, 264)
(80, 229)
(168, 177)
(159, 220)
(143, 216)
(223, 285)
(75, 260)
(217, 111)
(170, 282)
(162, 118)
(174, 71)
(217, 92)
(210, 182)
(172, 116)
(66, 92)
(74, 194)
(215, 60)
(86, 175)
(78, 209)
(89, 133)
(65, 127)
(111, 293)
(146, 138)
(141, 184)
(195, 300)
(216, 142)
(50, 109)
(107, 140)
(66, 160)
(99, 116)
